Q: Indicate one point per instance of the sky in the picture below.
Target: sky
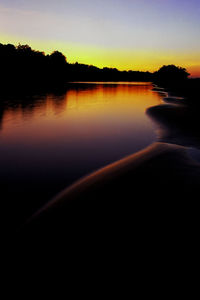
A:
(126, 34)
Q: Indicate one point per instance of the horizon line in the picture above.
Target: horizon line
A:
(46, 52)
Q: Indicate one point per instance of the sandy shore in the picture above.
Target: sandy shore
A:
(146, 195)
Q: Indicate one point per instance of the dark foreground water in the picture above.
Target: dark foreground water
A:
(48, 141)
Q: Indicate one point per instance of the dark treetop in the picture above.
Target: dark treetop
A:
(23, 68)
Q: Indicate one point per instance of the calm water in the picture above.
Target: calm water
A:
(48, 141)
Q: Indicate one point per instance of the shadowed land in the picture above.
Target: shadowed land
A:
(148, 197)
(176, 82)
(177, 123)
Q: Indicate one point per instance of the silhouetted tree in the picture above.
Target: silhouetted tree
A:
(21, 65)
(58, 58)
(171, 73)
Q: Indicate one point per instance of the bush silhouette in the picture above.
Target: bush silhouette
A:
(58, 58)
(171, 73)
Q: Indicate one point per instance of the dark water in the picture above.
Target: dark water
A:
(48, 141)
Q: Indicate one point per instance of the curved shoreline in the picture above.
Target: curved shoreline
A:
(88, 200)
(178, 121)
(125, 191)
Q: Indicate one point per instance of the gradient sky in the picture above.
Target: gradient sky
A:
(127, 34)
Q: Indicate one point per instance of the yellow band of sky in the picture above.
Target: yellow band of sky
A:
(122, 59)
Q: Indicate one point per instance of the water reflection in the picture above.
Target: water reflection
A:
(49, 140)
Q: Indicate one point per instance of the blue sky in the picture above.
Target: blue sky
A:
(146, 28)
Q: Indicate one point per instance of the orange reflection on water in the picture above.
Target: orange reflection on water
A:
(84, 111)
(49, 141)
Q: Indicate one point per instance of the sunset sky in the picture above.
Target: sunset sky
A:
(126, 34)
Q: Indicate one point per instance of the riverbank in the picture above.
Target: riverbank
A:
(187, 89)
(178, 119)
(146, 189)
(151, 195)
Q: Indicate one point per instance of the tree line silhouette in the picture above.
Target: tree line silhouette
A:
(22, 64)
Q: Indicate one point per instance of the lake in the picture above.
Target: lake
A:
(49, 140)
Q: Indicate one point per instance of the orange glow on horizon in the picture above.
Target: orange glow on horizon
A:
(122, 59)
(194, 71)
